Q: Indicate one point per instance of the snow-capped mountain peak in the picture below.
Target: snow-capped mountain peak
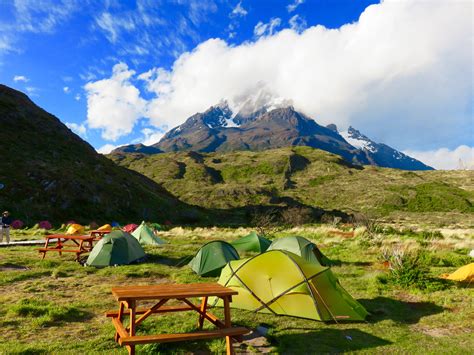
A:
(358, 140)
(220, 115)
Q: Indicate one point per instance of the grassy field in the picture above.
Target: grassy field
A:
(57, 305)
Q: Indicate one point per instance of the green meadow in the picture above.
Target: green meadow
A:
(56, 305)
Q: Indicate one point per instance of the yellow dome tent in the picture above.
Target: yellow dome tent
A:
(75, 229)
(282, 283)
(105, 227)
(463, 274)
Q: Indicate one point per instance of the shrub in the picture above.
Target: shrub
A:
(265, 222)
(409, 269)
(371, 224)
(295, 216)
(17, 224)
(405, 267)
(45, 225)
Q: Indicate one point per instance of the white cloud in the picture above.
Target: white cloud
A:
(107, 148)
(79, 129)
(446, 159)
(77, 97)
(292, 7)
(114, 25)
(42, 16)
(262, 29)
(297, 23)
(238, 11)
(401, 74)
(32, 91)
(151, 136)
(114, 104)
(31, 16)
(18, 78)
(67, 89)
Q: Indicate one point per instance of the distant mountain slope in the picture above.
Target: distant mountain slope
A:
(137, 148)
(217, 130)
(381, 154)
(220, 130)
(302, 175)
(51, 173)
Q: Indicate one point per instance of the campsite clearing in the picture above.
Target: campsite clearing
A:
(43, 303)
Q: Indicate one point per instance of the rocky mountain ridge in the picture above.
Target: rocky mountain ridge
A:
(219, 129)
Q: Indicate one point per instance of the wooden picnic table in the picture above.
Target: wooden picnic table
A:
(128, 297)
(80, 243)
(98, 234)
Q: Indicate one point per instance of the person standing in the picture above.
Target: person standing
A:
(5, 224)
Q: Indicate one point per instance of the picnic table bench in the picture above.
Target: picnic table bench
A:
(80, 244)
(98, 234)
(128, 297)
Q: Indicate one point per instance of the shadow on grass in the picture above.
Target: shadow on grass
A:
(327, 341)
(382, 308)
(175, 262)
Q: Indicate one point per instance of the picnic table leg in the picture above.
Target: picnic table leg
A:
(119, 316)
(81, 248)
(203, 310)
(132, 308)
(228, 324)
(45, 247)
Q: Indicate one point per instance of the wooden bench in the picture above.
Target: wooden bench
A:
(82, 243)
(129, 296)
(98, 234)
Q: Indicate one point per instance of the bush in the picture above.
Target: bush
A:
(17, 224)
(45, 225)
(405, 267)
(409, 269)
(295, 216)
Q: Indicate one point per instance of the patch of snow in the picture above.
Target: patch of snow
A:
(358, 143)
(229, 122)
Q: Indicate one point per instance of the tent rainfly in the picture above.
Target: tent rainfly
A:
(463, 274)
(105, 227)
(212, 257)
(75, 229)
(252, 242)
(282, 283)
(145, 235)
(115, 248)
(301, 247)
(129, 228)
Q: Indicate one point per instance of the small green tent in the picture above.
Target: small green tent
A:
(145, 235)
(212, 257)
(115, 248)
(301, 247)
(252, 242)
(282, 283)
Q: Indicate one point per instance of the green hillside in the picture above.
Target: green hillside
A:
(50, 173)
(305, 176)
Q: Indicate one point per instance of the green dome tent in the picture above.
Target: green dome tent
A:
(282, 283)
(115, 248)
(145, 235)
(252, 242)
(301, 247)
(212, 257)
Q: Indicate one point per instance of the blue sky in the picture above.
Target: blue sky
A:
(80, 60)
